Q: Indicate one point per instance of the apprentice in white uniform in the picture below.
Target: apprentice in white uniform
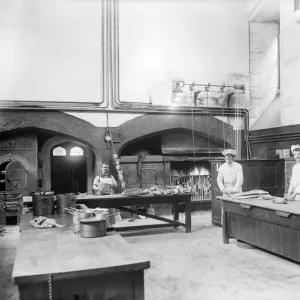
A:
(230, 176)
(294, 188)
(104, 179)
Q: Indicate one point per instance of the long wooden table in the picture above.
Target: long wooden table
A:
(273, 227)
(118, 201)
(77, 268)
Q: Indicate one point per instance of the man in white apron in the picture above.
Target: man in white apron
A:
(105, 184)
(230, 176)
(294, 188)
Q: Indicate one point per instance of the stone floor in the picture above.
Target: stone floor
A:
(191, 266)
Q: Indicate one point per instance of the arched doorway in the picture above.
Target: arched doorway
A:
(68, 168)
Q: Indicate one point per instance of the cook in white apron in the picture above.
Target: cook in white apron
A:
(230, 176)
(294, 188)
(106, 181)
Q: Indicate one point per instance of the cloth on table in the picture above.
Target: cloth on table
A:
(43, 222)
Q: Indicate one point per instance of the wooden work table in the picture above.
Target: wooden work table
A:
(273, 227)
(119, 201)
(79, 268)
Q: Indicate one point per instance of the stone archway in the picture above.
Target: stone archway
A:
(45, 157)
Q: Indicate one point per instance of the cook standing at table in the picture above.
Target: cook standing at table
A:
(230, 176)
(294, 188)
(105, 183)
(105, 180)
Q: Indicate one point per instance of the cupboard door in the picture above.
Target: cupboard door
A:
(131, 175)
(153, 175)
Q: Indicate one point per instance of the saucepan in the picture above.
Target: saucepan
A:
(93, 227)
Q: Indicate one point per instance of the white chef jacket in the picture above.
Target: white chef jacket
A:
(295, 181)
(230, 177)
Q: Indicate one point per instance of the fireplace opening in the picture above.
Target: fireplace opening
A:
(195, 175)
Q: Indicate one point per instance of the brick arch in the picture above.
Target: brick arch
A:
(148, 125)
(9, 157)
(56, 122)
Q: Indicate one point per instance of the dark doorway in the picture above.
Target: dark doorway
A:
(68, 169)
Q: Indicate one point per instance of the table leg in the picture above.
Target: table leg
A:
(176, 213)
(225, 228)
(188, 217)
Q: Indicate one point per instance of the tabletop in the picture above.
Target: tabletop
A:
(291, 207)
(118, 200)
(66, 255)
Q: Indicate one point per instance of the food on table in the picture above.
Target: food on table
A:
(279, 200)
(156, 190)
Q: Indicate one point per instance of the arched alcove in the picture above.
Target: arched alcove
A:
(45, 157)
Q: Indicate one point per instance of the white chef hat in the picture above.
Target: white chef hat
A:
(295, 147)
(229, 151)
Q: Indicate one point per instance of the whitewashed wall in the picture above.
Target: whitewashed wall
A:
(290, 63)
(51, 49)
(264, 70)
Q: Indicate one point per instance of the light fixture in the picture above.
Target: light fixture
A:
(107, 136)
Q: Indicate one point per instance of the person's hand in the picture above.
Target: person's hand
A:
(227, 191)
(291, 197)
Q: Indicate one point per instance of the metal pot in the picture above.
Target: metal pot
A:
(92, 227)
(43, 203)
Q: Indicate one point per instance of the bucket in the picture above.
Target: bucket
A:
(65, 201)
(43, 203)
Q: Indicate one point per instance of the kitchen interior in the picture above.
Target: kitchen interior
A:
(165, 95)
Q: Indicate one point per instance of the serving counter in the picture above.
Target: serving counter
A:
(273, 227)
(59, 263)
(118, 201)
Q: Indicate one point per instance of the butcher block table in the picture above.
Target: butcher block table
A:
(118, 201)
(59, 263)
(272, 227)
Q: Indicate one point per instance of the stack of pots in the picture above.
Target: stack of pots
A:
(94, 226)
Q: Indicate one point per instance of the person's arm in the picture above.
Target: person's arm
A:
(239, 179)
(96, 182)
(292, 183)
(220, 179)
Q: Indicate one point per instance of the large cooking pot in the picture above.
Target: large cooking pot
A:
(81, 214)
(64, 201)
(43, 203)
(102, 214)
(92, 227)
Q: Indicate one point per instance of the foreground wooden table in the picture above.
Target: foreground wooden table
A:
(118, 201)
(79, 268)
(273, 227)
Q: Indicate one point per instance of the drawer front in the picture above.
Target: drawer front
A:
(271, 216)
(272, 237)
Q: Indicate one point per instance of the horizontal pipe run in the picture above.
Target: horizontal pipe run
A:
(274, 140)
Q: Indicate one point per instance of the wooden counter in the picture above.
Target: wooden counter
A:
(273, 227)
(119, 201)
(95, 268)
